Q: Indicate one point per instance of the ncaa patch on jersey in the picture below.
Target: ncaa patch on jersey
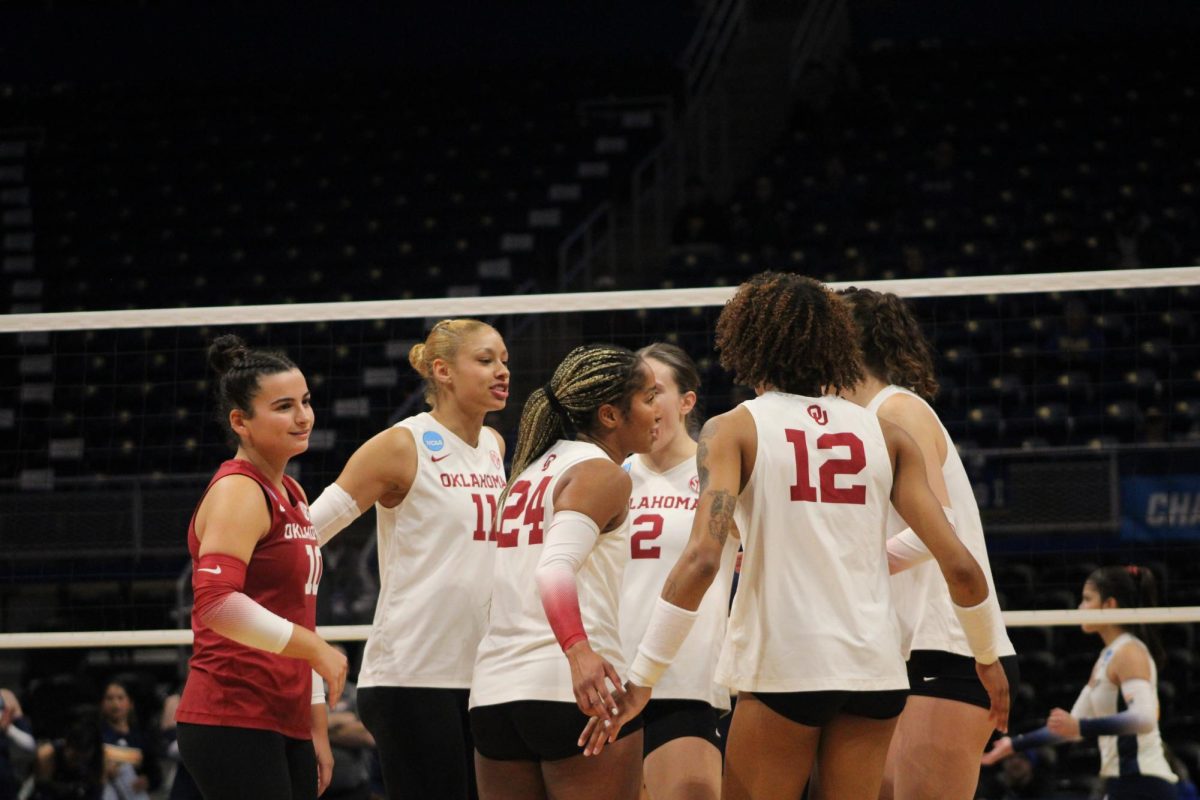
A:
(433, 440)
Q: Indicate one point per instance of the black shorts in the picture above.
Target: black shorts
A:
(948, 676)
(667, 720)
(817, 709)
(533, 730)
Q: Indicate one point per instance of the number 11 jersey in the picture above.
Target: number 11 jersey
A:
(813, 609)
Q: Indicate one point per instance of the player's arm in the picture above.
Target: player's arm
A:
(1130, 670)
(231, 520)
(382, 469)
(320, 739)
(905, 549)
(720, 455)
(590, 497)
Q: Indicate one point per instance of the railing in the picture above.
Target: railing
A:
(1056, 490)
(824, 28)
(590, 245)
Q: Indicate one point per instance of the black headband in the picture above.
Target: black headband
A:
(560, 410)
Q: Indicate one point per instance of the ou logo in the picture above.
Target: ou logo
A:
(549, 460)
(818, 414)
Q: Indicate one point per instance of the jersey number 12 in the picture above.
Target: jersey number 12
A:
(803, 490)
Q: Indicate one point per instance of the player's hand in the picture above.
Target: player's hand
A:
(1001, 750)
(591, 676)
(324, 763)
(331, 665)
(1061, 723)
(630, 703)
(996, 683)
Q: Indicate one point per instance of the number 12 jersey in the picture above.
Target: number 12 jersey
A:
(813, 608)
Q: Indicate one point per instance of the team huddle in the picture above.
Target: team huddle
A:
(566, 630)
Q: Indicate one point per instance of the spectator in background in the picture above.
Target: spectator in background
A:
(352, 748)
(132, 755)
(16, 738)
(72, 767)
(1025, 775)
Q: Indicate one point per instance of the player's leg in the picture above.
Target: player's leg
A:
(936, 750)
(508, 780)
(854, 746)
(852, 754)
(768, 754)
(302, 768)
(681, 750)
(231, 763)
(616, 773)
(688, 768)
(419, 734)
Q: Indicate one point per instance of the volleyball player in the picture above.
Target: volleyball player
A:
(1119, 704)
(434, 479)
(945, 725)
(681, 745)
(806, 476)
(553, 641)
(252, 719)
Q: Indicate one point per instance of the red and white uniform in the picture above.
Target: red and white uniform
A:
(920, 595)
(243, 687)
(661, 510)
(519, 657)
(813, 608)
(435, 563)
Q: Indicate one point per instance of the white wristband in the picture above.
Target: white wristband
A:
(318, 689)
(668, 628)
(331, 512)
(982, 625)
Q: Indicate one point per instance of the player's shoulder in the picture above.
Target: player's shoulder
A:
(905, 409)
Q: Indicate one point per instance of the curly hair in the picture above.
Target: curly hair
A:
(894, 348)
(790, 333)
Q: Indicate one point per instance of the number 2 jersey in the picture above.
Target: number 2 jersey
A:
(239, 686)
(519, 657)
(435, 562)
(813, 608)
(661, 510)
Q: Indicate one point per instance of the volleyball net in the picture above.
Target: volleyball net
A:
(1073, 397)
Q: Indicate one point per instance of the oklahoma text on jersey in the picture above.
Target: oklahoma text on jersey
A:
(472, 480)
(664, 501)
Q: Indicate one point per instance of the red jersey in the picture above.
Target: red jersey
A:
(243, 687)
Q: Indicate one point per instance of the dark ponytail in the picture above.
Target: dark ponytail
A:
(1132, 586)
(238, 369)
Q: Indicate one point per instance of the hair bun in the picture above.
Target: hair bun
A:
(416, 357)
(225, 351)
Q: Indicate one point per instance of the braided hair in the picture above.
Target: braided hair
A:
(589, 377)
(791, 333)
(238, 369)
(894, 348)
(1132, 586)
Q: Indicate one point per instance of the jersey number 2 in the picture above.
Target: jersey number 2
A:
(803, 491)
(637, 542)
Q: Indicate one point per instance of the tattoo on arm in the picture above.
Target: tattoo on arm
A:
(706, 434)
(720, 515)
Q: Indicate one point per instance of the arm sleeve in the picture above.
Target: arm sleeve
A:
(1140, 717)
(217, 583)
(905, 550)
(332, 512)
(569, 541)
(1039, 738)
(983, 627)
(20, 737)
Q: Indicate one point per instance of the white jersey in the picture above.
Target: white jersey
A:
(661, 509)
(813, 608)
(1131, 754)
(920, 595)
(435, 563)
(519, 657)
